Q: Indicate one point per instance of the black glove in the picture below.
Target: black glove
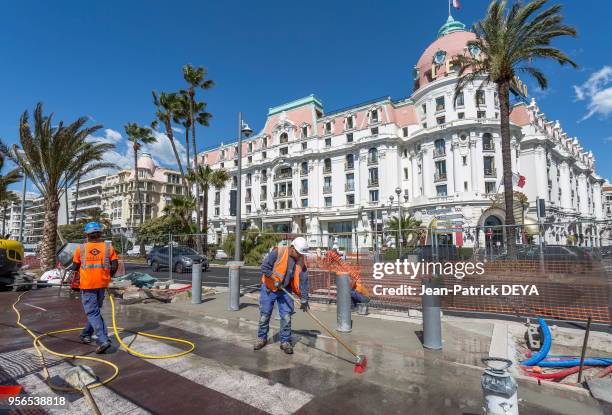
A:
(304, 306)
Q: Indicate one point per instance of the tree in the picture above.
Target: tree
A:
(168, 107)
(204, 177)
(138, 136)
(155, 231)
(7, 197)
(196, 78)
(52, 156)
(180, 209)
(410, 229)
(509, 40)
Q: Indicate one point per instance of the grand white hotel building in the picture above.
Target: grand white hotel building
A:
(331, 174)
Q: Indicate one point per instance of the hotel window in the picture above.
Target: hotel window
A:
(441, 120)
(496, 99)
(284, 151)
(222, 154)
(250, 147)
(350, 162)
(328, 142)
(480, 98)
(304, 168)
(264, 142)
(304, 203)
(349, 122)
(405, 153)
(459, 100)
(217, 210)
(248, 208)
(405, 131)
(304, 131)
(464, 160)
(222, 165)
(441, 190)
(350, 200)
(424, 125)
(489, 187)
(405, 173)
(372, 155)
(424, 109)
(249, 178)
(249, 159)
(497, 115)
(284, 138)
(440, 173)
(304, 145)
(489, 166)
(350, 182)
(235, 163)
(217, 198)
(349, 137)
(373, 195)
(374, 116)
(439, 104)
(264, 193)
(487, 142)
(328, 127)
(373, 177)
(465, 186)
(439, 147)
(374, 130)
(327, 166)
(327, 187)
(461, 115)
(327, 201)
(481, 114)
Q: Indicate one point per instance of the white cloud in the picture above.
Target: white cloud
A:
(162, 152)
(178, 130)
(597, 91)
(608, 139)
(110, 136)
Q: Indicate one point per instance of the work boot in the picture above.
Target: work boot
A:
(85, 339)
(286, 347)
(260, 343)
(103, 347)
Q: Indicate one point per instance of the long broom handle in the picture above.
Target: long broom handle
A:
(327, 329)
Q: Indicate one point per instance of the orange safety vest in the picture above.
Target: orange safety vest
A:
(280, 269)
(95, 268)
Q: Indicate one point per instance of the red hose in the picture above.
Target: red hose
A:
(604, 372)
(557, 375)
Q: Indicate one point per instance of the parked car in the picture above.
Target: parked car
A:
(183, 258)
(151, 253)
(220, 254)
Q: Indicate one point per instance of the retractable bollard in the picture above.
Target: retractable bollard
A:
(196, 283)
(234, 285)
(343, 303)
(432, 324)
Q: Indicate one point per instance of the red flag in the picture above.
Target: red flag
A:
(518, 180)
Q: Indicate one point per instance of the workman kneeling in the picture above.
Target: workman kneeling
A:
(283, 267)
(97, 263)
(359, 293)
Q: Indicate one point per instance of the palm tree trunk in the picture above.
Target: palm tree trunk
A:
(170, 136)
(138, 200)
(49, 240)
(76, 200)
(195, 165)
(504, 103)
(187, 149)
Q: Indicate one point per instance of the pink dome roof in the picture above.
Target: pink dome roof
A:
(453, 44)
(146, 162)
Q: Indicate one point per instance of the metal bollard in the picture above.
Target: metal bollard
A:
(432, 324)
(343, 303)
(196, 283)
(234, 285)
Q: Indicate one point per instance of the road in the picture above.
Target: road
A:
(215, 276)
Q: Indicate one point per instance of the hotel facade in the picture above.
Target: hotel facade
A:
(339, 175)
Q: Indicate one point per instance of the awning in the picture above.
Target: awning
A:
(276, 220)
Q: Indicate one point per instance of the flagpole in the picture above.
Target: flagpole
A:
(449, 7)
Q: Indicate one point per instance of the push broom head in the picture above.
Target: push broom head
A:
(360, 364)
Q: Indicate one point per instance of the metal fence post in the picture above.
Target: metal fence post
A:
(196, 283)
(170, 267)
(343, 303)
(234, 285)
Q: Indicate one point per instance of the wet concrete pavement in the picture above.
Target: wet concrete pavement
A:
(224, 374)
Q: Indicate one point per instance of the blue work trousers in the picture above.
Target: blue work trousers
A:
(92, 303)
(285, 309)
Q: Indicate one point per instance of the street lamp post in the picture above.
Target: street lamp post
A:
(234, 269)
(398, 192)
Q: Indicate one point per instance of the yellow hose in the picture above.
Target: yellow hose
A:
(40, 347)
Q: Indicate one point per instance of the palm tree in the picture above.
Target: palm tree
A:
(509, 41)
(410, 228)
(183, 117)
(180, 209)
(205, 177)
(168, 106)
(196, 78)
(52, 157)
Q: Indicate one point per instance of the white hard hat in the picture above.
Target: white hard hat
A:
(335, 247)
(300, 245)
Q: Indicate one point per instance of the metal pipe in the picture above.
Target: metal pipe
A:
(234, 285)
(239, 192)
(196, 283)
(343, 303)
(584, 346)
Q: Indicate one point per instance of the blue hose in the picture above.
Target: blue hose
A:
(543, 352)
(542, 359)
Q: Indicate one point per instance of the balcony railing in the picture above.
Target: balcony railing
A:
(327, 190)
(264, 178)
(372, 182)
(439, 177)
(217, 201)
(304, 172)
(349, 166)
(349, 187)
(439, 152)
(303, 192)
(372, 160)
(279, 195)
(326, 169)
(488, 146)
(490, 172)
(283, 175)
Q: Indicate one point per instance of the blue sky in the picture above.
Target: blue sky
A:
(102, 59)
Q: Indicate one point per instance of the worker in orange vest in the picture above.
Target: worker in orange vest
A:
(97, 263)
(359, 293)
(283, 267)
